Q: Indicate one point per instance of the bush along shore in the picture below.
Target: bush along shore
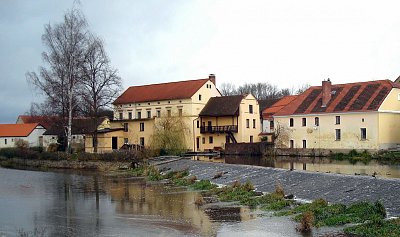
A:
(39, 159)
(385, 157)
(361, 219)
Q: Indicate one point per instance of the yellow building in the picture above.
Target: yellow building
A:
(227, 119)
(138, 109)
(362, 116)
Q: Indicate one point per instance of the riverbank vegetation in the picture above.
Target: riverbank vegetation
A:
(366, 219)
(390, 157)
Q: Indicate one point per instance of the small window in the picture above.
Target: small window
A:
(5, 141)
(398, 96)
(148, 103)
(199, 97)
(73, 137)
(203, 140)
(254, 123)
(198, 123)
(180, 112)
(142, 141)
(121, 116)
(169, 113)
(304, 122)
(362, 120)
(250, 109)
(291, 122)
(291, 143)
(247, 123)
(316, 121)
(130, 115)
(304, 144)
(126, 140)
(271, 125)
(158, 113)
(139, 115)
(141, 127)
(363, 134)
(210, 140)
(338, 134)
(149, 114)
(337, 119)
(251, 139)
(125, 127)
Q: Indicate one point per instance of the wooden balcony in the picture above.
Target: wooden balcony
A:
(219, 129)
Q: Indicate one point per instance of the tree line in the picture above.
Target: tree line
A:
(261, 90)
(77, 77)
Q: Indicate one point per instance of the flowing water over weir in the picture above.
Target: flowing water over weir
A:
(91, 204)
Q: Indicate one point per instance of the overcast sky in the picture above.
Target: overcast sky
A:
(287, 43)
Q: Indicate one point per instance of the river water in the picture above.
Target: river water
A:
(90, 204)
(323, 165)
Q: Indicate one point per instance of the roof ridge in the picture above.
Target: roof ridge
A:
(172, 82)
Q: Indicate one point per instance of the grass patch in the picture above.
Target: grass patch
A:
(337, 214)
(203, 185)
(376, 228)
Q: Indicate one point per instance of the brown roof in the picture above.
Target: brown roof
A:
(263, 104)
(350, 97)
(79, 126)
(277, 106)
(45, 121)
(163, 91)
(222, 106)
(17, 130)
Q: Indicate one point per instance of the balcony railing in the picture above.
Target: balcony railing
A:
(219, 129)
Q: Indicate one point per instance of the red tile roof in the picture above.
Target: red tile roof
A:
(17, 130)
(350, 97)
(277, 106)
(163, 91)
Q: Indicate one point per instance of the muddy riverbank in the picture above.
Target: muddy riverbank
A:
(335, 188)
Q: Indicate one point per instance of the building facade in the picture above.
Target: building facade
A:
(31, 133)
(361, 116)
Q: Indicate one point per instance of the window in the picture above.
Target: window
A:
(304, 144)
(271, 125)
(142, 141)
(291, 143)
(130, 115)
(139, 115)
(251, 139)
(338, 135)
(316, 121)
(247, 123)
(291, 122)
(5, 141)
(125, 127)
(180, 112)
(158, 113)
(304, 122)
(148, 113)
(203, 140)
(363, 134)
(168, 112)
(210, 140)
(337, 119)
(73, 137)
(198, 123)
(254, 123)
(250, 109)
(120, 116)
(126, 140)
(141, 127)
(199, 97)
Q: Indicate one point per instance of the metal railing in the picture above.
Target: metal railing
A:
(219, 129)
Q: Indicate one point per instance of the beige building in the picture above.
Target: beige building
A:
(362, 116)
(138, 109)
(227, 119)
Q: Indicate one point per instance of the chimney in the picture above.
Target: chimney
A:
(326, 92)
(211, 77)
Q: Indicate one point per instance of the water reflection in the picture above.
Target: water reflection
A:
(69, 204)
(311, 164)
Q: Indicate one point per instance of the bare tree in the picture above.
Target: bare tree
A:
(66, 43)
(227, 89)
(101, 83)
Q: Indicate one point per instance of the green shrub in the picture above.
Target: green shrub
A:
(203, 185)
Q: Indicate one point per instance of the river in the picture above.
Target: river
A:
(66, 203)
